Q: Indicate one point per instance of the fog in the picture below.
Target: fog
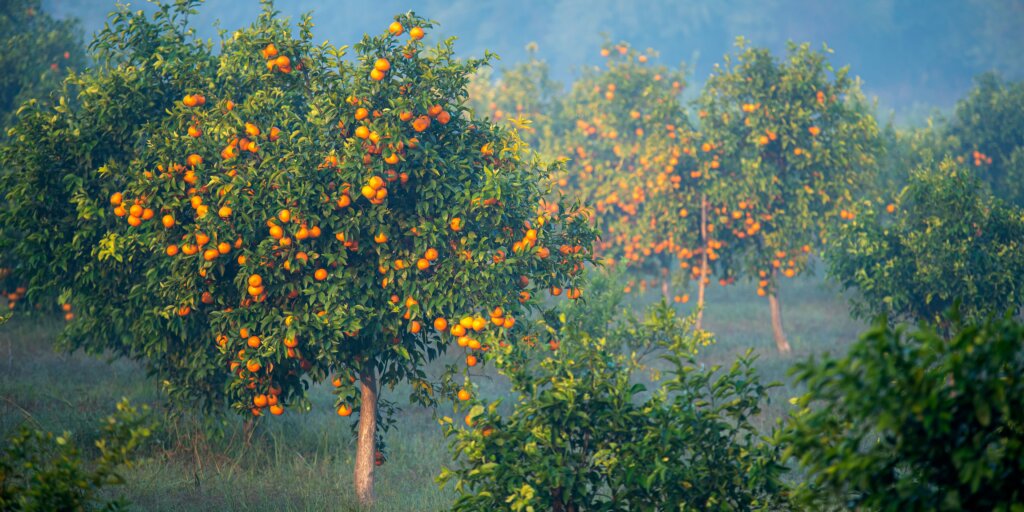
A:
(914, 56)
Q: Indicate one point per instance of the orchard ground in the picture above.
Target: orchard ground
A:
(305, 463)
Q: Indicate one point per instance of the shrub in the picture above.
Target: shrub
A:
(43, 471)
(911, 420)
(583, 434)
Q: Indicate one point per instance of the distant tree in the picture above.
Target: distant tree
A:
(988, 128)
(788, 143)
(944, 240)
(629, 151)
(524, 95)
(38, 51)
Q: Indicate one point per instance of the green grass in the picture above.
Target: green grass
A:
(304, 461)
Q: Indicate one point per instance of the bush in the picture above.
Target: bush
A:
(585, 435)
(43, 471)
(910, 420)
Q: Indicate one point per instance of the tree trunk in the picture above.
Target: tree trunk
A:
(366, 444)
(780, 336)
(665, 291)
(703, 261)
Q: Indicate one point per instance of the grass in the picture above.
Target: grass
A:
(304, 461)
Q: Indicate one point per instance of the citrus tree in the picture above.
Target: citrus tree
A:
(629, 153)
(914, 420)
(789, 142)
(988, 128)
(944, 240)
(297, 216)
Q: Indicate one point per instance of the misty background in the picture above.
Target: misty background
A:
(914, 56)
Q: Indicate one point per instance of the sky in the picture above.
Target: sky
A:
(914, 56)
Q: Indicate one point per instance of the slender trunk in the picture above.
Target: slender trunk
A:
(777, 332)
(703, 260)
(665, 292)
(366, 444)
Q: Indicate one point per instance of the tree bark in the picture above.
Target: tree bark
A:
(777, 331)
(366, 443)
(703, 261)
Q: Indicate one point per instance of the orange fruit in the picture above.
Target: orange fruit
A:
(168, 221)
(470, 360)
(395, 28)
(344, 410)
(416, 33)
(464, 395)
(382, 65)
(440, 323)
(320, 274)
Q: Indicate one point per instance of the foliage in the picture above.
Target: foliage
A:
(38, 53)
(585, 435)
(789, 142)
(43, 471)
(524, 95)
(944, 240)
(906, 149)
(988, 126)
(911, 420)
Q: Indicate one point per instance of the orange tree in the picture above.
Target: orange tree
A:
(297, 216)
(628, 148)
(945, 240)
(791, 142)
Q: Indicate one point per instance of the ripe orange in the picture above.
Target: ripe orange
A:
(320, 274)
(422, 264)
(255, 280)
(276, 410)
(416, 33)
(260, 400)
(395, 28)
(168, 221)
(421, 123)
(254, 342)
(464, 395)
(430, 254)
(344, 410)
(470, 360)
(440, 324)
(382, 65)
